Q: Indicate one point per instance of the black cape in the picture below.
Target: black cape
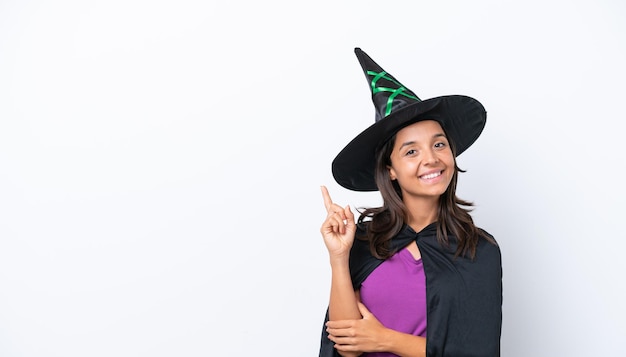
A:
(464, 296)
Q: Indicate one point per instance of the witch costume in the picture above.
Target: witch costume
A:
(463, 295)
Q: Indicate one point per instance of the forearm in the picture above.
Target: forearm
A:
(349, 354)
(343, 301)
(403, 344)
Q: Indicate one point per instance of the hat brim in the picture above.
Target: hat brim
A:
(463, 119)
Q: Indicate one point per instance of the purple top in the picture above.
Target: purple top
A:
(395, 292)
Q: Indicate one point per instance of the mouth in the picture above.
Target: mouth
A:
(431, 175)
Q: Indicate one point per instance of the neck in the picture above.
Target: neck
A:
(421, 212)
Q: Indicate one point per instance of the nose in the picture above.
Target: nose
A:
(430, 157)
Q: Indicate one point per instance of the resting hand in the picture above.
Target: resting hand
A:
(364, 335)
(338, 229)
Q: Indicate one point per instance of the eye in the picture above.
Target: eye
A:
(410, 152)
(440, 145)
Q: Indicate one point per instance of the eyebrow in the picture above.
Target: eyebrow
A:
(438, 135)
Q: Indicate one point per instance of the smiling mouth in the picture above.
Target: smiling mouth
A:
(431, 176)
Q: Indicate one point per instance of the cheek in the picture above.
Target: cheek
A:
(450, 177)
(407, 169)
(451, 170)
(450, 165)
(448, 159)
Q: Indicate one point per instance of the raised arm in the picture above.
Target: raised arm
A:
(338, 232)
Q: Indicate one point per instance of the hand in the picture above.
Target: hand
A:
(363, 335)
(338, 229)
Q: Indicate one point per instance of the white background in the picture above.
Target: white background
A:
(160, 164)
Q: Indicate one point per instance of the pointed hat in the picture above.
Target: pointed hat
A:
(461, 117)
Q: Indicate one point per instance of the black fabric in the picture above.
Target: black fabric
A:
(464, 296)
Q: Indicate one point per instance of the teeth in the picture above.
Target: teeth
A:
(431, 176)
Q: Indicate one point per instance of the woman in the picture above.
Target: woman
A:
(414, 277)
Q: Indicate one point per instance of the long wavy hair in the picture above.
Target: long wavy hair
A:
(453, 216)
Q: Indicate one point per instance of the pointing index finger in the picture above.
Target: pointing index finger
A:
(327, 201)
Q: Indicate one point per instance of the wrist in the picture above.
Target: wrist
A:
(339, 261)
(385, 342)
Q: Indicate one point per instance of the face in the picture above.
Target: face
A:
(422, 160)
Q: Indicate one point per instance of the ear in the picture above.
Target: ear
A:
(392, 173)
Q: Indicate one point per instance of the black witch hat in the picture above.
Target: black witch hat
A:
(461, 117)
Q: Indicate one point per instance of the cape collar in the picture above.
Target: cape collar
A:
(408, 234)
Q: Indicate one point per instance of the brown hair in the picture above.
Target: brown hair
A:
(386, 221)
